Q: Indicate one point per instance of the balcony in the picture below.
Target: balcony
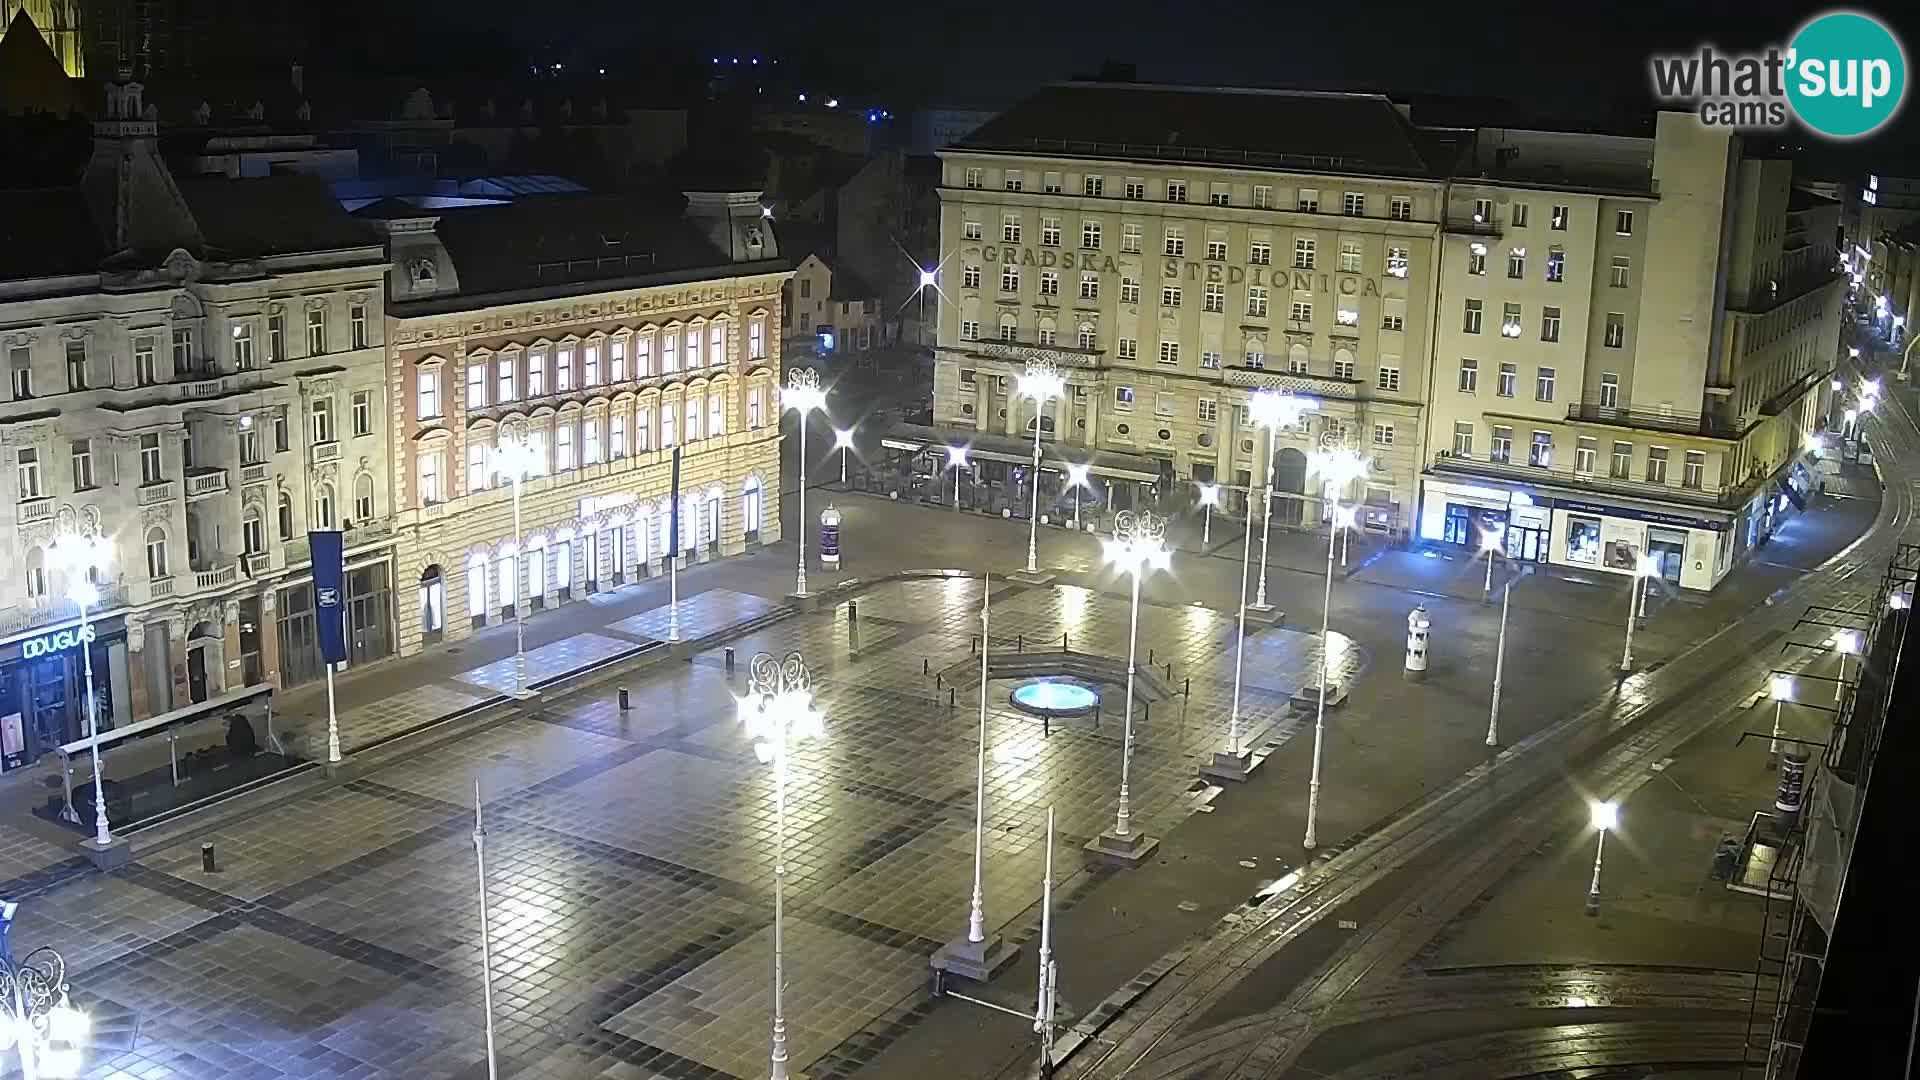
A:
(202, 482)
(160, 588)
(322, 452)
(160, 491)
(15, 620)
(1287, 382)
(36, 510)
(253, 474)
(1560, 476)
(257, 563)
(1020, 352)
(1469, 225)
(218, 577)
(1704, 425)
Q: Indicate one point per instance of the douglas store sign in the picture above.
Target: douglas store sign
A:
(57, 642)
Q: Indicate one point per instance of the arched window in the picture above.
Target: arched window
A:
(323, 506)
(433, 601)
(286, 516)
(1297, 359)
(363, 498)
(253, 534)
(157, 553)
(750, 508)
(37, 573)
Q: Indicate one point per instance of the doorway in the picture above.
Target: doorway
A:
(1527, 543)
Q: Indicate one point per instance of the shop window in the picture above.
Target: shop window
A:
(1583, 540)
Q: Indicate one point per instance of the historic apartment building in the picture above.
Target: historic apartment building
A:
(1173, 250)
(1634, 342)
(195, 375)
(600, 334)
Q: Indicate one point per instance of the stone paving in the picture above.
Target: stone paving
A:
(630, 856)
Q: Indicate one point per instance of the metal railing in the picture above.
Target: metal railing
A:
(1483, 465)
(1705, 424)
(206, 482)
(1314, 385)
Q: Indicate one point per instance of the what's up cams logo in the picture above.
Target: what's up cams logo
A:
(1844, 75)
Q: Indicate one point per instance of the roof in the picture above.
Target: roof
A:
(47, 232)
(847, 285)
(270, 215)
(1362, 133)
(1800, 198)
(546, 242)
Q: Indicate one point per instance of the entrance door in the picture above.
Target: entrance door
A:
(1526, 542)
(1459, 527)
(196, 673)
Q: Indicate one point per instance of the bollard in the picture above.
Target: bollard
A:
(1063, 642)
(729, 659)
(625, 702)
(1020, 643)
(1146, 711)
(949, 697)
(926, 666)
(973, 645)
(206, 859)
(1169, 671)
(937, 680)
(1187, 691)
(1149, 657)
(853, 612)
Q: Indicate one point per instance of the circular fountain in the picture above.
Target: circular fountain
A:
(1055, 699)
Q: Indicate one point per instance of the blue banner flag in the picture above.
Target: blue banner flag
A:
(673, 524)
(329, 595)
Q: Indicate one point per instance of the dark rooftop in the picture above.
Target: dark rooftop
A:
(547, 242)
(271, 215)
(1801, 199)
(47, 232)
(1362, 133)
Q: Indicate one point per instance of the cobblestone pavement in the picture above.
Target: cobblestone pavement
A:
(630, 853)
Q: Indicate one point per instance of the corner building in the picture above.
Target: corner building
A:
(1173, 250)
(613, 333)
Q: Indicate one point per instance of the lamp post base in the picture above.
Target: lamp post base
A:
(1129, 850)
(524, 695)
(976, 961)
(117, 853)
(1035, 577)
(1264, 615)
(1225, 766)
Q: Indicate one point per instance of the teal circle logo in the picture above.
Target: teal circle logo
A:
(1846, 75)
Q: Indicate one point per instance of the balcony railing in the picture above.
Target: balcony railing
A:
(253, 474)
(14, 620)
(323, 452)
(1563, 476)
(206, 482)
(160, 587)
(1703, 424)
(1021, 352)
(257, 563)
(160, 491)
(218, 577)
(1287, 381)
(1471, 226)
(35, 510)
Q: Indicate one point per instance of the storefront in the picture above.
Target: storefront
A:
(1464, 515)
(369, 615)
(43, 698)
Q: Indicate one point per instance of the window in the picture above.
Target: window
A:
(669, 421)
(1049, 283)
(1616, 330)
(1393, 321)
(1256, 357)
(1176, 191)
(76, 365)
(617, 425)
(506, 379)
(320, 419)
(1609, 390)
(363, 497)
(1509, 380)
(1262, 197)
(1559, 221)
(1130, 238)
(1216, 250)
(1549, 324)
(1214, 298)
(1543, 380)
(362, 411)
(1483, 210)
(969, 330)
(1301, 311)
(316, 331)
(1501, 448)
(974, 231)
(1469, 376)
(1622, 467)
(1383, 434)
(1089, 338)
(1349, 256)
(1400, 208)
(1462, 439)
(1090, 235)
(1694, 470)
(427, 396)
(28, 473)
(756, 342)
(1050, 183)
(182, 350)
(1128, 348)
(716, 420)
(643, 357)
(1396, 261)
(282, 435)
(1169, 352)
(1297, 363)
(1355, 204)
(1540, 453)
(1303, 252)
(1342, 368)
(974, 178)
(590, 360)
(1013, 180)
(1089, 286)
(1257, 301)
(476, 467)
(1621, 269)
(253, 533)
(1010, 228)
(146, 371)
(357, 324)
(1476, 259)
(476, 384)
(157, 553)
(1093, 186)
(1046, 335)
(694, 362)
(323, 506)
(1163, 405)
(1207, 411)
(1517, 263)
(1210, 360)
(1556, 265)
(970, 277)
(537, 368)
(276, 338)
(430, 491)
(1260, 253)
(1623, 222)
(284, 515)
(1220, 195)
(1175, 242)
(1170, 296)
(1656, 465)
(1471, 323)
(1518, 215)
(82, 464)
(1136, 188)
(1308, 201)
(1510, 320)
(1123, 398)
(1049, 232)
(1129, 291)
(643, 430)
(1583, 455)
(1009, 278)
(563, 440)
(242, 341)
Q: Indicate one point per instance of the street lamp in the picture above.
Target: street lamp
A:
(777, 710)
(81, 553)
(843, 442)
(1499, 664)
(1490, 544)
(1342, 516)
(803, 395)
(956, 460)
(1605, 816)
(516, 456)
(1138, 545)
(1780, 689)
(1644, 566)
(1077, 479)
(36, 1017)
(1042, 383)
(1846, 643)
(1209, 498)
(1273, 410)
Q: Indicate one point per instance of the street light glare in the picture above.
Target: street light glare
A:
(1780, 687)
(1275, 409)
(1210, 494)
(842, 438)
(1343, 517)
(957, 455)
(1490, 541)
(1847, 641)
(1077, 474)
(1647, 566)
(927, 277)
(1606, 816)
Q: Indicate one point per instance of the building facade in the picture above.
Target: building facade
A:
(603, 365)
(1174, 250)
(195, 375)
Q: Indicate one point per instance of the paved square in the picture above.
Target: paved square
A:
(547, 661)
(700, 615)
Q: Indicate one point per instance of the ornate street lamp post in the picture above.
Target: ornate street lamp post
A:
(517, 457)
(1273, 410)
(1138, 545)
(36, 1018)
(1042, 383)
(803, 395)
(81, 553)
(1337, 467)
